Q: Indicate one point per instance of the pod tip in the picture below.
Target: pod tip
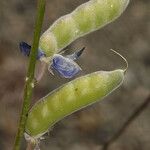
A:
(124, 59)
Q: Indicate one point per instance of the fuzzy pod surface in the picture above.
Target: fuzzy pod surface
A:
(86, 18)
(69, 98)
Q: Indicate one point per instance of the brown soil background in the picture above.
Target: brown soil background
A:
(86, 129)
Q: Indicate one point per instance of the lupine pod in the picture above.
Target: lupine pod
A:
(86, 18)
(69, 98)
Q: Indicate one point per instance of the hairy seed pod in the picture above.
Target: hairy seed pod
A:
(69, 98)
(86, 18)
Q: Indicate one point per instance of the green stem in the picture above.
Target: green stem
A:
(29, 85)
(30, 145)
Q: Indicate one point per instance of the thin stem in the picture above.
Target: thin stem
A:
(131, 118)
(30, 146)
(29, 85)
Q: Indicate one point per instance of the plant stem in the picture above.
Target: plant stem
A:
(29, 85)
(30, 146)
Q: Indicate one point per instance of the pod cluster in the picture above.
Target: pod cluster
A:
(84, 90)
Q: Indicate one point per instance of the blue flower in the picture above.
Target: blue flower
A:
(26, 49)
(66, 66)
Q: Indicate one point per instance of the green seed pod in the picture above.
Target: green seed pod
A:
(69, 98)
(86, 18)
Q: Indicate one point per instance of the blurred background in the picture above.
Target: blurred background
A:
(91, 128)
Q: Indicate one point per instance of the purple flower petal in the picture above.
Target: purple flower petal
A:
(66, 67)
(26, 49)
(76, 54)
